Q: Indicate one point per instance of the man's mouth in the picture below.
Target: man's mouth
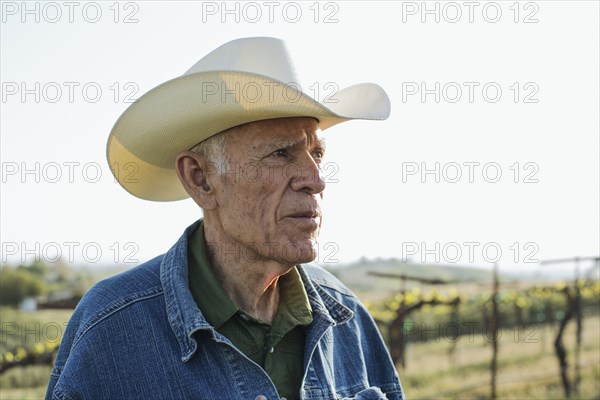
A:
(308, 218)
(305, 214)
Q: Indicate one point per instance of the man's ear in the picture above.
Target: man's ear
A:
(196, 177)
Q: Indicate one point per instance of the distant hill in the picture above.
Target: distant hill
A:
(356, 276)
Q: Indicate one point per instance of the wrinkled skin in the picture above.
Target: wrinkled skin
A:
(271, 203)
(262, 214)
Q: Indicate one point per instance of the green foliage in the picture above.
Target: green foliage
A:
(39, 269)
(517, 307)
(26, 377)
(16, 284)
(28, 329)
(29, 338)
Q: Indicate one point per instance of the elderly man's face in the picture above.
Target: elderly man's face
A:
(269, 198)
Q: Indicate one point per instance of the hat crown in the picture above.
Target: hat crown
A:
(257, 55)
(237, 83)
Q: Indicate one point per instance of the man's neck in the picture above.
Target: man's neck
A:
(250, 282)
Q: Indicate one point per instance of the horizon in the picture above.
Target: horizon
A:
(491, 153)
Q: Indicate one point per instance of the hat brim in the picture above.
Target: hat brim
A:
(180, 113)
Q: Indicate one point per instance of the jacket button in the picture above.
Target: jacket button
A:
(260, 397)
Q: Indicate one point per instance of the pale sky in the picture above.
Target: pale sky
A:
(491, 87)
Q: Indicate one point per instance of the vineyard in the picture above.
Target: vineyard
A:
(516, 318)
(499, 340)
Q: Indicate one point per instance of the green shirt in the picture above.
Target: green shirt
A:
(278, 349)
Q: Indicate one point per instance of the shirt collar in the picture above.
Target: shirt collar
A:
(323, 303)
(186, 318)
(218, 308)
(206, 288)
(294, 303)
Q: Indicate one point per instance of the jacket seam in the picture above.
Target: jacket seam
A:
(317, 279)
(57, 393)
(56, 370)
(116, 307)
(328, 286)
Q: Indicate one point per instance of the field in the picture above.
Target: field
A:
(27, 329)
(527, 366)
(439, 362)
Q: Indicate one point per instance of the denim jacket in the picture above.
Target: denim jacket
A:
(140, 335)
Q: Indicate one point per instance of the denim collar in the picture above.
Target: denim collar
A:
(186, 318)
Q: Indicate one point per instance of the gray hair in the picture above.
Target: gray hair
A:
(215, 150)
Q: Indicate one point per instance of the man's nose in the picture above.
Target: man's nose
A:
(306, 176)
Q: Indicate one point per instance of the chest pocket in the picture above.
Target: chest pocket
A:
(372, 393)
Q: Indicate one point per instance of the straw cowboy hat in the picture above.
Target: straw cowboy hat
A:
(242, 81)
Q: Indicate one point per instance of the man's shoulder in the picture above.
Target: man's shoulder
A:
(326, 279)
(115, 293)
(131, 282)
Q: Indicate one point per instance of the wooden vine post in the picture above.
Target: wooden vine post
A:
(574, 309)
(559, 347)
(397, 340)
(495, 321)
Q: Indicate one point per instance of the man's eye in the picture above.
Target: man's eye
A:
(318, 154)
(280, 153)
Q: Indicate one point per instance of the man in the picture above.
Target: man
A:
(233, 310)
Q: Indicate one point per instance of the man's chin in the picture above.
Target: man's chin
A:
(300, 252)
(306, 259)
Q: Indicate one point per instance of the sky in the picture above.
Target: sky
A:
(490, 154)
